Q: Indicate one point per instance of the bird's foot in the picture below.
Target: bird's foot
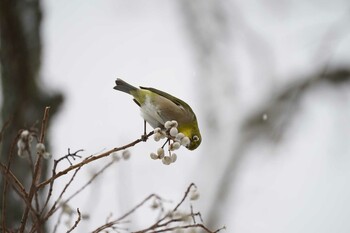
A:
(144, 137)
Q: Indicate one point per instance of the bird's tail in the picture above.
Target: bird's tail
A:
(124, 86)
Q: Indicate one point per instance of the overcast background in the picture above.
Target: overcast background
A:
(230, 60)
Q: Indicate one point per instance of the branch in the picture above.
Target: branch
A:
(2, 131)
(114, 222)
(185, 195)
(164, 223)
(92, 158)
(49, 194)
(90, 181)
(11, 178)
(187, 227)
(76, 222)
(6, 169)
(53, 208)
(280, 110)
(44, 124)
(37, 172)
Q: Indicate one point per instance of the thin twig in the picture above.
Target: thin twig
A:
(49, 194)
(44, 124)
(159, 222)
(7, 168)
(90, 181)
(41, 140)
(12, 179)
(185, 195)
(76, 222)
(89, 160)
(3, 128)
(193, 216)
(17, 187)
(186, 227)
(73, 155)
(163, 224)
(37, 172)
(3, 205)
(114, 222)
(54, 208)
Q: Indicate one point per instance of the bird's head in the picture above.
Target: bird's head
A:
(192, 132)
(195, 142)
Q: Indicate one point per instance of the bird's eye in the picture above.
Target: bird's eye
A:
(195, 138)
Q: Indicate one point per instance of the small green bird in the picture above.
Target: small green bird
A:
(158, 107)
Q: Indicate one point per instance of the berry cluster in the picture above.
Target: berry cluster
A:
(24, 145)
(174, 140)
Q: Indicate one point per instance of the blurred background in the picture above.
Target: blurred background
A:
(269, 82)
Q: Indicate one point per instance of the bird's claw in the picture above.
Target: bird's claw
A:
(144, 137)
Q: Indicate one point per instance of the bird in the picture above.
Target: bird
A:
(158, 107)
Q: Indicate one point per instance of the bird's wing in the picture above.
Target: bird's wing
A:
(177, 101)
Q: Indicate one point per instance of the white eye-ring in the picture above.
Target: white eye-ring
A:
(195, 138)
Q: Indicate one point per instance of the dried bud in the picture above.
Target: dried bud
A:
(40, 148)
(173, 157)
(21, 153)
(24, 135)
(85, 216)
(168, 125)
(264, 117)
(154, 156)
(173, 132)
(174, 146)
(126, 154)
(155, 204)
(166, 160)
(47, 155)
(160, 152)
(20, 144)
(174, 123)
(157, 136)
(21, 149)
(185, 141)
(115, 156)
(161, 156)
(194, 195)
(179, 136)
(67, 209)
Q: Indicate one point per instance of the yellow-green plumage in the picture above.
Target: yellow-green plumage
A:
(158, 107)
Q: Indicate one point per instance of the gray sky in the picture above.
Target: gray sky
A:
(297, 186)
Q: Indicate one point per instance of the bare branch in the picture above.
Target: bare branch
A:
(187, 227)
(3, 128)
(114, 222)
(53, 208)
(166, 222)
(76, 222)
(37, 172)
(16, 184)
(49, 194)
(44, 124)
(90, 181)
(92, 158)
(185, 195)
